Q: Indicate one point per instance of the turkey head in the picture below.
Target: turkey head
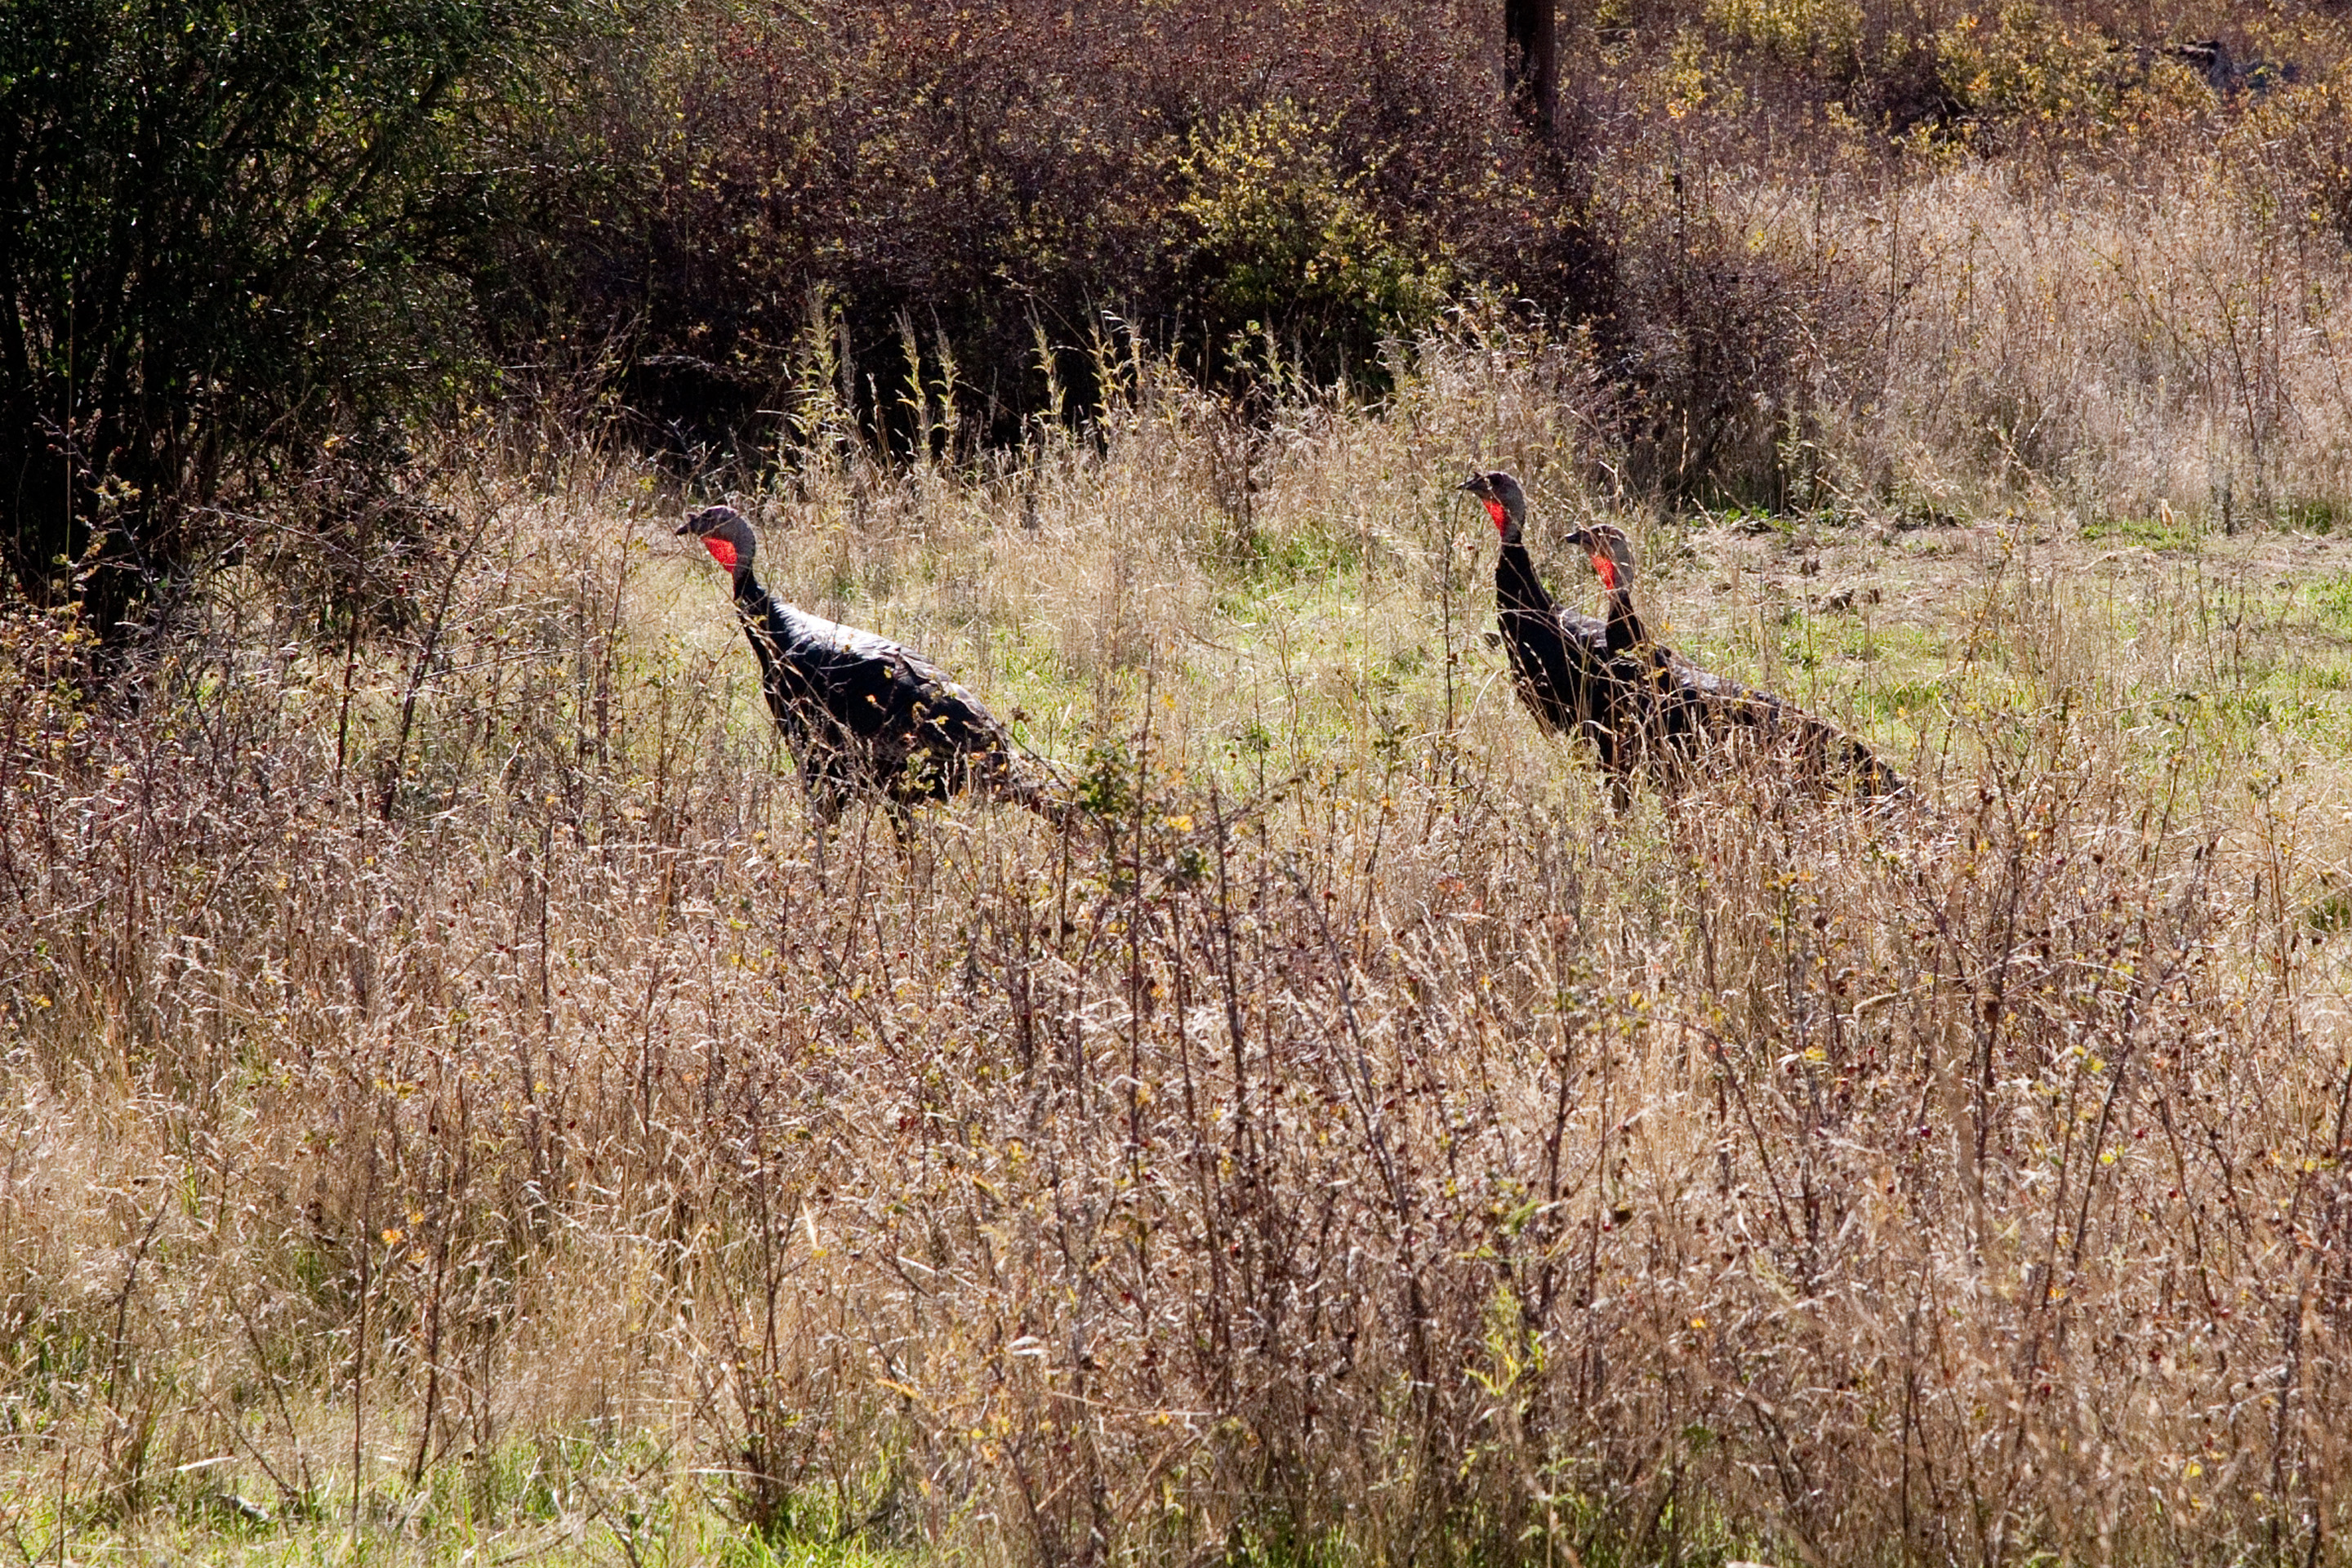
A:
(1505, 501)
(726, 534)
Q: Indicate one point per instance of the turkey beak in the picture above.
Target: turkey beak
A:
(1476, 484)
(685, 528)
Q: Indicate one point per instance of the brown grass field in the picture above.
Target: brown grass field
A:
(458, 1109)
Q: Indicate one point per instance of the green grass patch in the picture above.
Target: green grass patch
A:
(2163, 531)
(2320, 516)
(2330, 598)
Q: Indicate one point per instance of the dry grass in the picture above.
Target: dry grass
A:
(1917, 332)
(2155, 336)
(448, 1077)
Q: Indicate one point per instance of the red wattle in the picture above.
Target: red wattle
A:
(1502, 518)
(1608, 569)
(721, 551)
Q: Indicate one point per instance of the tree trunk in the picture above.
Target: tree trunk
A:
(1531, 61)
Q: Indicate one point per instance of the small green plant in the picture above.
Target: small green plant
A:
(2162, 530)
(1287, 241)
(2320, 516)
(1798, 29)
(1106, 782)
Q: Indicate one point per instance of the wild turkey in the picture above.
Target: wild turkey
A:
(864, 714)
(1675, 714)
(1559, 658)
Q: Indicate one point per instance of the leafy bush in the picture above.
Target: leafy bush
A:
(1285, 237)
(2024, 63)
(1797, 30)
(230, 229)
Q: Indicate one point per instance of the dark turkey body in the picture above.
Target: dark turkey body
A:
(1680, 713)
(863, 713)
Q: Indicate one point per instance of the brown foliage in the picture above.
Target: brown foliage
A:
(1011, 170)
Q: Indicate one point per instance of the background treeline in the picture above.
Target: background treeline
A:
(253, 249)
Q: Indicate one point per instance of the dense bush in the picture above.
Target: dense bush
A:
(230, 231)
(1002, 176)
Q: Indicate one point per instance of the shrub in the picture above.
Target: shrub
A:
(1286, 239)
(2023, 63)
(1000, 174)
(230, 229)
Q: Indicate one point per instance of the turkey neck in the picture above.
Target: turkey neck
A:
(1517, 590)
(750, 597)
(763, 624)
(1627, 630)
